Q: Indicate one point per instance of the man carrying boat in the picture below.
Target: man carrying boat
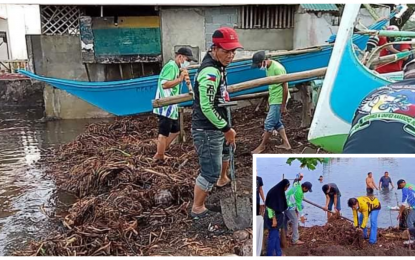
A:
(384, 120)
(210, 126)
(170, 79)
(368, 206)
(278, 97)
(408, 192)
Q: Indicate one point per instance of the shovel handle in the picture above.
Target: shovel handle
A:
(231, 154)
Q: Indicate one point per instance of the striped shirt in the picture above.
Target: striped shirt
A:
(169, 72)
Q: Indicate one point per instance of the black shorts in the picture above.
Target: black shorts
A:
(168, 125)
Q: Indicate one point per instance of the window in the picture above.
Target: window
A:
(60, 19)
(267, 17)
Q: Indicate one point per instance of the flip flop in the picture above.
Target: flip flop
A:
(227, 184)
(203, 214)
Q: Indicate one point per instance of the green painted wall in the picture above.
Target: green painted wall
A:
(127, 41)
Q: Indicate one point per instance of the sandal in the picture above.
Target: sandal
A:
(200, 215)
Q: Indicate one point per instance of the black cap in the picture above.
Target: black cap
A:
(399, 182)
(258, 58)
(308, 185)
(186, 52)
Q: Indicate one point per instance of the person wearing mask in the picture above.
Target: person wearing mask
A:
(370, 182)
(170, 79)
(384, 182)
(408, 192)
(333, 195)
(383, 122)
(276, 205)
(295, 198)
(210, 128)
(259, 196)
(278, 97)
(368, 207)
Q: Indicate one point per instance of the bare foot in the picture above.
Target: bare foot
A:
(158, 157)
(298, 242)
(222, 182)
(259, 149)
(284, 146)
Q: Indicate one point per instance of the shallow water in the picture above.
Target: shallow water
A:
(349, 174)
(23, 186)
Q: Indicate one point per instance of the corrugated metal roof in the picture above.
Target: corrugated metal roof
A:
(320, 7)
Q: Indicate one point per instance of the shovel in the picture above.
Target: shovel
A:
(236, 211)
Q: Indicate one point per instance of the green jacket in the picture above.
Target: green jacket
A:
(295, 198)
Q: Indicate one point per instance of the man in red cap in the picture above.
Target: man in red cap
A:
(211, 133)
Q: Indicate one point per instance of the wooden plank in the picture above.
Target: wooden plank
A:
(246, 85)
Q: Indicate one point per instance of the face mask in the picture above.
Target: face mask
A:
(263, 67)
(184, 64)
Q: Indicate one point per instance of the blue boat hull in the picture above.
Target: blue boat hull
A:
(135, 96)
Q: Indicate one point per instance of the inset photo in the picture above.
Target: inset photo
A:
(334, 206)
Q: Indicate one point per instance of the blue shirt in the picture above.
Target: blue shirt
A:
(385, 181)
(408, 194)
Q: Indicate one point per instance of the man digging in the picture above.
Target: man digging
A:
(278, 96)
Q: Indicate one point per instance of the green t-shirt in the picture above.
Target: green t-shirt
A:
(169, 72)
(275, 90)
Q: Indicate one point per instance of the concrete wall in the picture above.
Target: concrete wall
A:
(4, 52)
(194, 27)
(22, 20)
(216, 17)
(367, 20)
(266, 39)
(60, 57)
(181, 27)
(311, 29)
(21, 93)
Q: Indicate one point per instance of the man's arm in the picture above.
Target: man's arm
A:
(167, 77)
(390, 181)
(261, 193)
(380, 182)
(404, 194)
(284, 97)
(209, 79)
(327, 201)
(365, 218)
(335, 202)
(373, 184)
(355, 219)
(172, 83)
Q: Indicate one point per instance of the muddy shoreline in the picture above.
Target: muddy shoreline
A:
(339, 238)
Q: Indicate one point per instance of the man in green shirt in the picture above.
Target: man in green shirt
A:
(210, 126)
(170, 79)
(295, 198)
(278, 96)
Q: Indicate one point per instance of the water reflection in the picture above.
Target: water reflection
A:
(349, 174)
(23, 186)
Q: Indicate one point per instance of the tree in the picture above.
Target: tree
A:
(310, 163)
